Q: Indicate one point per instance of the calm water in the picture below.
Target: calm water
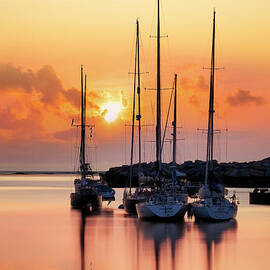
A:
(39, 231)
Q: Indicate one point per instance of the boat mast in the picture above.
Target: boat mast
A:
(210, 133)
(174, 119)
(84, 122)
(158, 125)
(133, 109)
(83, 107)
(138, 116)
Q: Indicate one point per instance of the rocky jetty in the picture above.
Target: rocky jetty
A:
(232, 174)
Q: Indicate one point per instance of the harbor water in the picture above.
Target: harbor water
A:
(38, 230)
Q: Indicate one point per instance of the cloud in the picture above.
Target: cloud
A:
(13, 78)
(244, 97)
(44, 82)
(194, 100)
(201, 84)
(65, 135)
(198, 84)
(21, 129)
(35, 106)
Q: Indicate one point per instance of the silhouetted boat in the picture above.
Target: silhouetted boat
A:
(260, 196)
(86, 195)
(169, 200)
(213, 205)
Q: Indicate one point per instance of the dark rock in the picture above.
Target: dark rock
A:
(243, 172)
(234, 174)
(256, 173)
(188, 163)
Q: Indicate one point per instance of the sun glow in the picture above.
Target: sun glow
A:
(111, 110)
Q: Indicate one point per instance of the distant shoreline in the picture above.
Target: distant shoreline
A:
(41, 172)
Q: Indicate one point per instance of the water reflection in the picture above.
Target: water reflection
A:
(161, 234)
(82, 238)
(213, 234)
(38, 230)
(149, 245)
(88, 219)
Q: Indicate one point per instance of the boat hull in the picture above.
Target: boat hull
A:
(130, 204)
(108, 198)
(146, 210)
(259, 198)
(214, 213)
(81, 201)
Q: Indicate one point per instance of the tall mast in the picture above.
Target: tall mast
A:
(82, 148)
(138, 116)
(84, 117)
(133, 111)
(210, 133)
(158, 125)
(174, 118)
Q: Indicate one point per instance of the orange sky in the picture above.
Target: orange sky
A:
(43, 44)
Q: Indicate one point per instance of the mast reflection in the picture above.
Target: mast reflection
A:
(82, 238)
(213, 234)
(88, 221)
(161, 233)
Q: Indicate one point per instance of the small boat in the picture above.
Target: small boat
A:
(86, 195)
(260, 196)
(213, 205)
(105, 191)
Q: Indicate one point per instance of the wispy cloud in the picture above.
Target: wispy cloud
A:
(198, 84)
(244, 97)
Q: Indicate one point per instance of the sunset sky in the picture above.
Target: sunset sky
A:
(44, 42)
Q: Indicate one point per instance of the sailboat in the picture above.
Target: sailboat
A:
(86, 196)
(165, 204)
(213, 205)
(141, 193)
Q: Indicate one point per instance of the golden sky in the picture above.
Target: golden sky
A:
(43, 44)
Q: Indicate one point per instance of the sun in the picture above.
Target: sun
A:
(111, 110)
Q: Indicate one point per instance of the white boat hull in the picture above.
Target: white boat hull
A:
(221, 212)
(147, 210)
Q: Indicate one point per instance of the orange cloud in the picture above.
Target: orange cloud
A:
(244, 97)
(198, 84)
(35, 105)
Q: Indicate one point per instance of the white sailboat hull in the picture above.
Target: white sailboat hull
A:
(224, 211)
(147, 210)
